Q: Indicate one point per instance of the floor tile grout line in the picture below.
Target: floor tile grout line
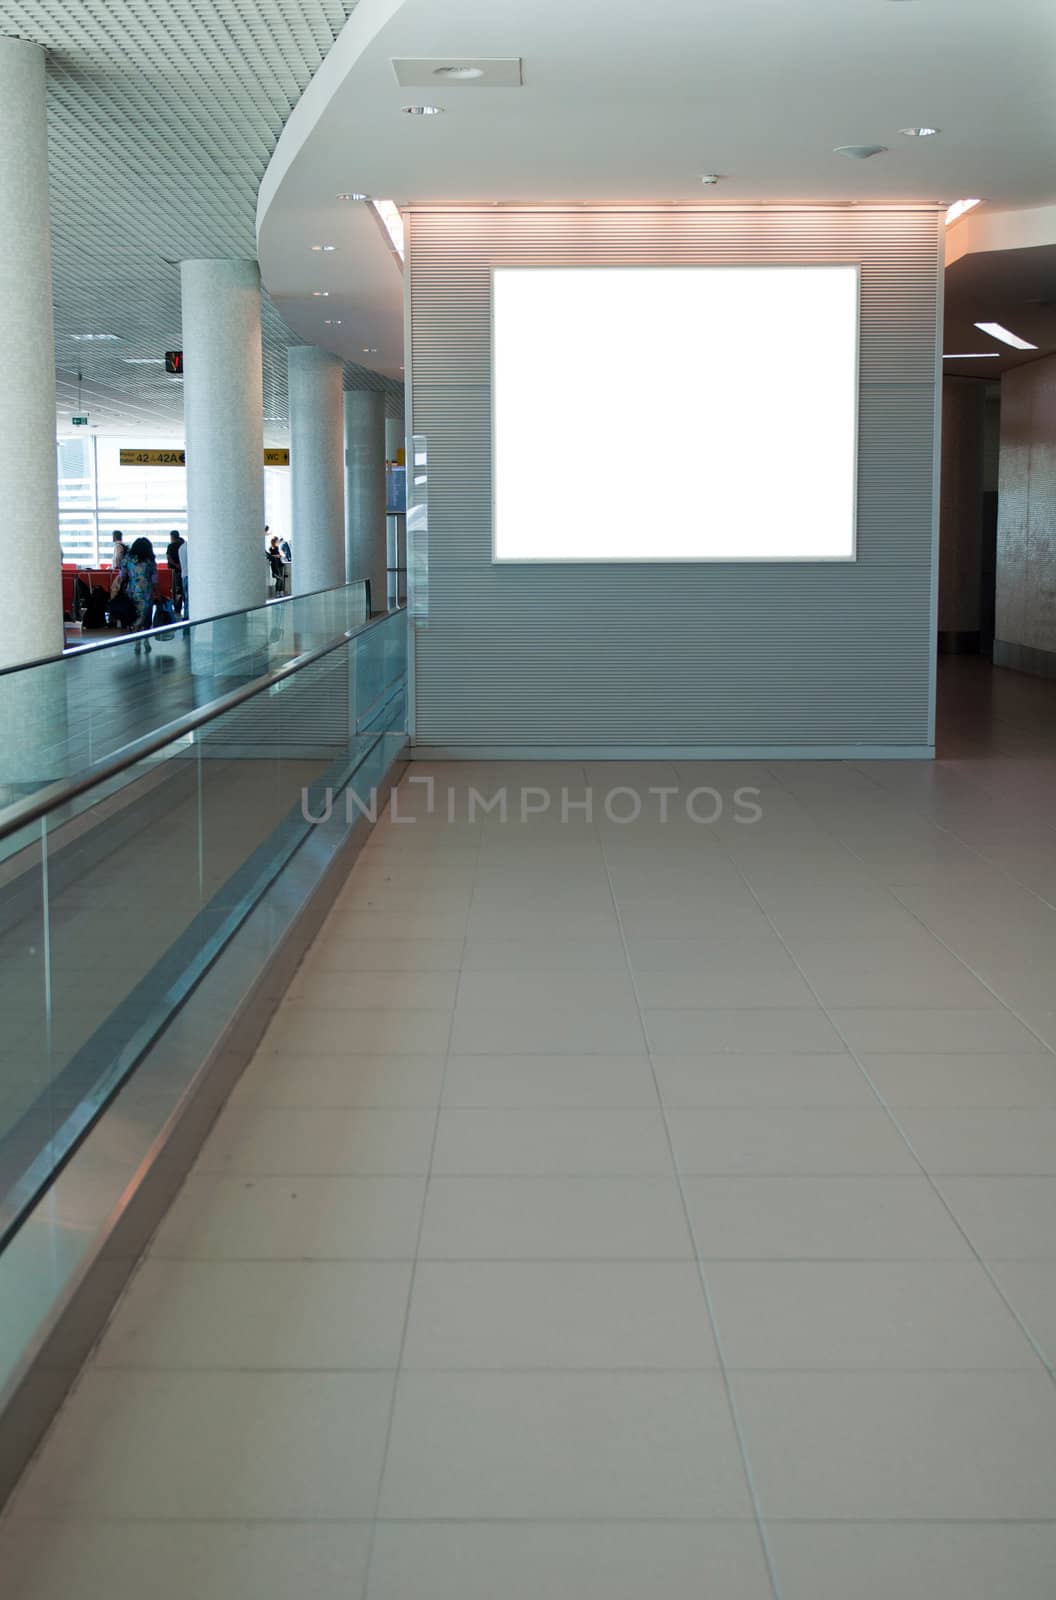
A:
(594, 1261)
(383, 1369)
(620, 1173)
(1045, 1047)
(84, 1517)
(975, 850)
(390, 1421)
(1048, 1366)
(731, 1400)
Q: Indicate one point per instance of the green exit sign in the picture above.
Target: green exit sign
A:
(79, 422)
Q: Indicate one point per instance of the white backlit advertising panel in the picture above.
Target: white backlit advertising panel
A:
(674, 413)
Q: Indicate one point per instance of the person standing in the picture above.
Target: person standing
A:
(274, 555)
(174, 559)
(140, 583)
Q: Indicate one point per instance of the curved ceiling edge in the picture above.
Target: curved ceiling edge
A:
(348, 300)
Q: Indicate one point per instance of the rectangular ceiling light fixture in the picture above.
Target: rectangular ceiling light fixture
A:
(958, 209)
(389, 215)
(970, 355)
(996, 331)
(580, 470)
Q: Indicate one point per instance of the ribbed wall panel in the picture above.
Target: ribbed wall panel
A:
(708, 655)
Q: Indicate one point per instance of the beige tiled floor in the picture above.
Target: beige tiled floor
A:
(612, 1210)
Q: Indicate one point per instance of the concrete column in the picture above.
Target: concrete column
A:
(29, 526)
(223, 410)
(317, 497)
(365, 491)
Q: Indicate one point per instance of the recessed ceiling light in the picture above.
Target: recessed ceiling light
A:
(143, 361)
(461, 74)
(996, 331)
(353, 196)
(919, 133)
(970, 355)
(324, 246)
(320, 294)
(331, 322)
(370, 349)
(958, 209)
(89, 338)
(860, 152)
(422, 111)
(709, 177)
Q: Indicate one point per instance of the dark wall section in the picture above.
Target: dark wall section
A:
(1026, 524)
(961, 513)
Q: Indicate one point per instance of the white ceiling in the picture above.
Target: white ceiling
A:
(162, 120)
(630, 103)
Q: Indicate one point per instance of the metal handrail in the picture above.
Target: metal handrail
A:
(171, 627)
(37, 805)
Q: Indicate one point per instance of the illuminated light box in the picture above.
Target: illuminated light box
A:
(674, 413)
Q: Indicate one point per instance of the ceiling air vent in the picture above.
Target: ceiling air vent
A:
(458, 72)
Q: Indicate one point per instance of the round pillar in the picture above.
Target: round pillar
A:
(29, 527)
(223, 411)
(317, 498)
(365, 492)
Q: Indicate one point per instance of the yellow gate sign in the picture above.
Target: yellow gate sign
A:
(178, 458)
(153, 458)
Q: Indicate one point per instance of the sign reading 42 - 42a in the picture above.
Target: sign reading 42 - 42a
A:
(178, 458)
(153, 458)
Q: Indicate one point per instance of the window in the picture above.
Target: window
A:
(97, 494)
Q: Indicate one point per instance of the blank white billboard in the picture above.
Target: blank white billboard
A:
(674, 413)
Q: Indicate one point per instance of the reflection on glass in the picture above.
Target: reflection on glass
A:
(111, 912)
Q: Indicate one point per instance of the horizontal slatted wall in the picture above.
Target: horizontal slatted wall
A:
(702, 656)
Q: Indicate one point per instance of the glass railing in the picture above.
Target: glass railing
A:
(67, 715)
(118, 891)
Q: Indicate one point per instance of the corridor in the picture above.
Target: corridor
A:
(663, 1205)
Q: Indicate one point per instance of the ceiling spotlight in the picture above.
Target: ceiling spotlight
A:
(958, 209)
(919, 133)
(460, 74)
(331, 322)
(710, 177)
(324, 246)
(860, 152)
(353, 196)
(422, 111)
(370, 349)
(996, 331)
(320, 294)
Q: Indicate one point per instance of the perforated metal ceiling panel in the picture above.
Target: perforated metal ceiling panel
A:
(161, 123)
